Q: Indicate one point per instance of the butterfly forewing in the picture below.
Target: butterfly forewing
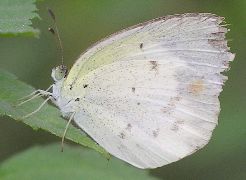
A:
(151, 94)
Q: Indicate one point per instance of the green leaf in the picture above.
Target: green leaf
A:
(15, 18)
(48, 118)
(74, 163)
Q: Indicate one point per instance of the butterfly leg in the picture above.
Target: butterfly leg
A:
(65, 131)
(30, 114)
(38, 91)
(34, 95)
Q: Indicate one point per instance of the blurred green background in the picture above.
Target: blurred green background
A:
(83, 22)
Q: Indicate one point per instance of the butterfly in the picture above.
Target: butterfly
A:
(149, 93)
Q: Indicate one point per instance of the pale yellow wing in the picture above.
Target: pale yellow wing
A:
(176, 32)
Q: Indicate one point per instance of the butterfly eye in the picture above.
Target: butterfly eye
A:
(59, 72)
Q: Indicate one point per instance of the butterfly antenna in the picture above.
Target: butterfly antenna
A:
(56, 33)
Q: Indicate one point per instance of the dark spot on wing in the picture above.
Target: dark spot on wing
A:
(122, 135)
(138, 103)
(133, 89)
(85, 85)
(156, 132)
(141, 45)
(129, 127)
(77, 99)
(70, 86)
(154, 65)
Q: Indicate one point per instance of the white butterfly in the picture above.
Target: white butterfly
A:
(149, 94)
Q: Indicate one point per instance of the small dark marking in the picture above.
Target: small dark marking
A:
(154, 65)
(219, 33)
(77, 99)
(85, 85)
(129, 127)
(141, 45)
(133, 89)
(156, 132)
(138, 103)
(70, 86)
(122, 135)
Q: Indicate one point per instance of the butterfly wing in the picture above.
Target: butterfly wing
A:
(149, 94)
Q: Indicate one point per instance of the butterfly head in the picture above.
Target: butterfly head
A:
(59, 73)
